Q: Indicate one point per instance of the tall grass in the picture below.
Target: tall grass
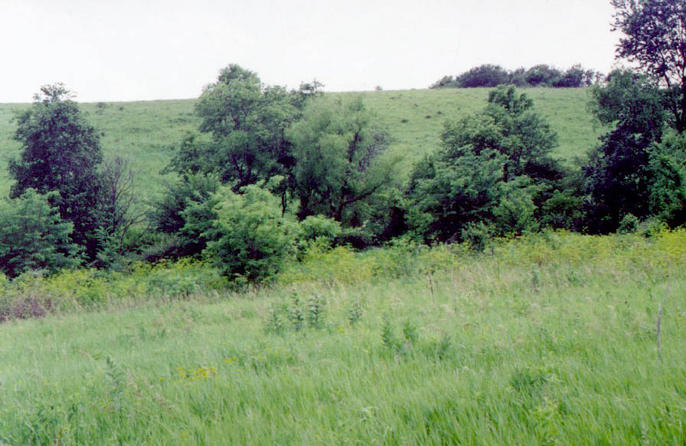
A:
(549, 339)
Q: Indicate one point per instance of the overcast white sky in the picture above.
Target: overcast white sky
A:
(121, 50)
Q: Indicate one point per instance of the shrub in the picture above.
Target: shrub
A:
(253, 237)
(477, 235)
(318, 227)
(629, 224)
(184, 212)
(33, 236)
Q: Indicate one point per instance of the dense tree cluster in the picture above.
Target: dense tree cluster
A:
(271, 173)
(537, 76)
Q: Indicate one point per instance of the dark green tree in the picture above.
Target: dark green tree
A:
(483, 76)
(453, 188)
(185, 211)
(61, 153)
(618, 175)
(668, 186)
(654, 38)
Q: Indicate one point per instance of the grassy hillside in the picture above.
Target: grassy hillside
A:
(143, 131)
(550, 340)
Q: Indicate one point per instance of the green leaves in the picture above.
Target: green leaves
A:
(489, 169)
(33, 236)
(253, 238)
(336, 146)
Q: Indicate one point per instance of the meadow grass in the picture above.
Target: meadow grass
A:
(548, 339)
(144, 133)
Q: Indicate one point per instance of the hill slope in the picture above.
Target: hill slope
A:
(142, 132)
(549, 340)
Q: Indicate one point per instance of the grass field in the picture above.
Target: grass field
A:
(142, 132)
(547, 339)
(550, 339)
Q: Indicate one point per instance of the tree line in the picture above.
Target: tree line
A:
(542, 75)
(271, 173)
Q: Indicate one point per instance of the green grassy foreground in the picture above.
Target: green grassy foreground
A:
(548, 339)
(143, 132)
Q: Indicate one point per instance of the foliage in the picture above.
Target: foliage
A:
(337, 147)
(514, 129)
(483, 76)
(253, 237)
(668, 186)
(493, 168)
(653, 37)
(245, 122)
(186, 210)
(61, 152)
(119, 212)
(460, 186)
(317, 228)
(33, 236)
(618, 173)
(477, 235)
(629, 224)
(542, 75)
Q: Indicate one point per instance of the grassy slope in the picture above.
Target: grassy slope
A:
(142, 132)
(550, 341)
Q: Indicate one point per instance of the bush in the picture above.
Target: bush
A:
(628, 225)
(184, 212)
(319, 227)
(477, 235)
(33, 236)
(253, 237)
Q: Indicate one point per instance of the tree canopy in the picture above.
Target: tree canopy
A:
(336, 146)
(61, 152)
(655, 38)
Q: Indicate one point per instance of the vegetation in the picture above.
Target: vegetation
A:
(33, 236)
(537, 76)
(553, 338)
(653, 38)
(297, 268)
(61, 154)
(147, 134)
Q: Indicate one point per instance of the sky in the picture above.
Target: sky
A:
(123, 50)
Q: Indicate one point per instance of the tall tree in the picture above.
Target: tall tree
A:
(493, 167)
(61, 152)
(246, 123)
(336, 146)
(618, 174)
(655, 38)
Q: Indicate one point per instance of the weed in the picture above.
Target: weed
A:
(315, 311)
(388, 337)
(275, 323)
(443, 347)
(355, 312)
(117, 380)
(296, 315)
(410, 332)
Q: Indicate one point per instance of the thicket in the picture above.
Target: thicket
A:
(272, 176)
(488, 76)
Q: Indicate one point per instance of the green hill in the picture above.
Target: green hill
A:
(142, 132)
